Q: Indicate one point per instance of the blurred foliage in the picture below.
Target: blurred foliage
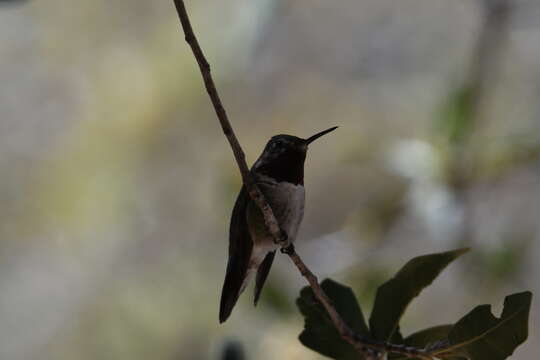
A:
(476, 336)
(275, 299)
(456, 118)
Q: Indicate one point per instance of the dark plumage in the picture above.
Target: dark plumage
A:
(279, 174)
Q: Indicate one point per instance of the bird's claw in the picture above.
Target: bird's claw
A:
(287, 250)
(286, 246)
(283, 238)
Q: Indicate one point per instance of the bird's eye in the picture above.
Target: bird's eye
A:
(278, 144)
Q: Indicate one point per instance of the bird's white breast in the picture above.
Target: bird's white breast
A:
(287, 202)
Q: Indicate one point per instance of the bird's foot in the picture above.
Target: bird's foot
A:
(287, 250)
(283, 238)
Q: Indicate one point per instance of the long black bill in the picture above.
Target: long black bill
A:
(318, 135)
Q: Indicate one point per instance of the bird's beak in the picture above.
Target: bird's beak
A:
(318, 135)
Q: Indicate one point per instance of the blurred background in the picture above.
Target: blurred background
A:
(117, 183)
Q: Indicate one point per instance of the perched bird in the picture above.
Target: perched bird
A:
(279, 174)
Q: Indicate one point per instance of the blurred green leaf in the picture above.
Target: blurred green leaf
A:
(275, 298)
(481, 336)
(319, 332)
(505, 261)
(457, 114)
(394, 296)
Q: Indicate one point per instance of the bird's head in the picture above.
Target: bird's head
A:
(284, 155)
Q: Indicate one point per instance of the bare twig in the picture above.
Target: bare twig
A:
(359, 343)
(254, 192)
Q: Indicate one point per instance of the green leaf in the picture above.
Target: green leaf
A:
(394, 296)
(429, 336)
(426, 339)
(319, 332)
(481, 336)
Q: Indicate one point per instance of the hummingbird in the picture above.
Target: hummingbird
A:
(279, 174)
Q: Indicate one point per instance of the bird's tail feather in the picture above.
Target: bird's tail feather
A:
(235, 281)
(262, 274)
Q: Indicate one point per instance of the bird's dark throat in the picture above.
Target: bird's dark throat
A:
(289, 167)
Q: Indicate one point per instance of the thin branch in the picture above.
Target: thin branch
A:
(359, 343)
(254, 192)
